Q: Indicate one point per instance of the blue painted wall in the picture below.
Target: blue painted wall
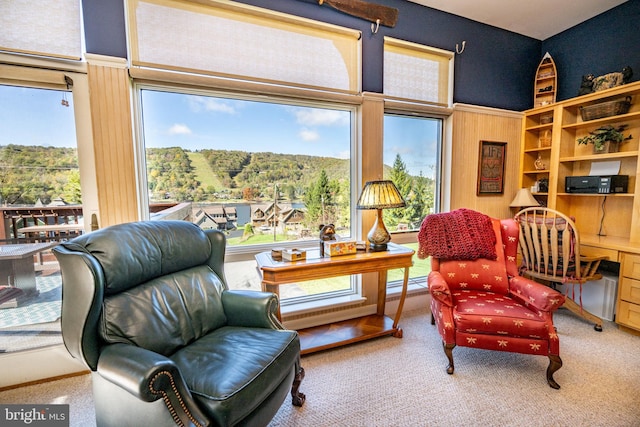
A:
(496, 69)
(601, 45)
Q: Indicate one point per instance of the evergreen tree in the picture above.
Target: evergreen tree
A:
(403, 181)
(319, 201)
(416, 203)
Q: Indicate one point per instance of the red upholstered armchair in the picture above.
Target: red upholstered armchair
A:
(478, 299)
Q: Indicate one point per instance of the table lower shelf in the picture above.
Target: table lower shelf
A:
(349, 331)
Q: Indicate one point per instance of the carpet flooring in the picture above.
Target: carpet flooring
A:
(402, 382)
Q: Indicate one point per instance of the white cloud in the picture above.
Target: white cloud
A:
(179, 129)
(309, 135)
(321, 117)
(203, 103)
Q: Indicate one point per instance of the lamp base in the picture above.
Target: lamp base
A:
(378, 235)
(377, 248)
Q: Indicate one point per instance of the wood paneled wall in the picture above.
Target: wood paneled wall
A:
(470, 126)
(110, 100)
(372, 169)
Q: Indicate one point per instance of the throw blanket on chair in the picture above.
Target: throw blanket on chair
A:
(459, 234)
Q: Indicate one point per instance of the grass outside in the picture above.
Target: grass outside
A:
(203, 171)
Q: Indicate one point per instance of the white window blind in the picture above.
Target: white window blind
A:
(418, 73)
(230, 40)
(44, 27)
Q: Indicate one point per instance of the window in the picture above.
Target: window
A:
(412, 147)
(418, 73)
(411, 155)
(418, 89)
(39, 189)
(228, 39)
(266, 173)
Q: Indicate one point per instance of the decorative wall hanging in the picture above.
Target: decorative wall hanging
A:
(491, 167)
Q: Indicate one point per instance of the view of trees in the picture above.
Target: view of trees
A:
(418, 192)
(32, 173)
(29, 174)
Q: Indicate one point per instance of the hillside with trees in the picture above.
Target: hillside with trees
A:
(34, 173)
(29, 174)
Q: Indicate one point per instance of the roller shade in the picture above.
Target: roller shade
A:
(417, 73)
(226, 39)
(43, 27)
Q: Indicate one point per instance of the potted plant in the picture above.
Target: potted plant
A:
(605, 139)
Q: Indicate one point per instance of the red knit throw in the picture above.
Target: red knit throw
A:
(459, 234)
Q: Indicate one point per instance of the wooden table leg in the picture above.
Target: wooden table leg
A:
(403, 295)
(382, 291)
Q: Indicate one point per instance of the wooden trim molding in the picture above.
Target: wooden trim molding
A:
(110, 101)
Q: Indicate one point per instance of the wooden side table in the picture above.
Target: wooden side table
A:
(276, 273)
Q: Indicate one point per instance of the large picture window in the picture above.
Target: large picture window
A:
(265, 173)
(40, 204)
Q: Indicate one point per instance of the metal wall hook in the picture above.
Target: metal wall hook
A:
(375, 27)
(459, 51)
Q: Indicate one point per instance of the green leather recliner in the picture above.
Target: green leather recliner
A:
(145, 307)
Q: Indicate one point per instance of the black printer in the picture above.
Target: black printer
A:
(597, 184)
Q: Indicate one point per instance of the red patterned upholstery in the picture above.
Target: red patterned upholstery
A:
(485, 304)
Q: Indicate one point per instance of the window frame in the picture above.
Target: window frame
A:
(411, 236)
(246, 253)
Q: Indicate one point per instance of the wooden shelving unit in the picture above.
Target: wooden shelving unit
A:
(546, 84)
(609, 224)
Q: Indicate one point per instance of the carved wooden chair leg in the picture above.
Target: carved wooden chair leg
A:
(297, 398)
(555, 363)
(448, 350)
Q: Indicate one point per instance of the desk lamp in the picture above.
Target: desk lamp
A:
(379, 195)
(524, 199)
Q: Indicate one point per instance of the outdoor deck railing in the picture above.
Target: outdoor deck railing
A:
(25, 224)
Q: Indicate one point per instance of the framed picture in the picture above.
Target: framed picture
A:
(491, 167)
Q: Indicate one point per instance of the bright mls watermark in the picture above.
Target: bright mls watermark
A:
(34, 415)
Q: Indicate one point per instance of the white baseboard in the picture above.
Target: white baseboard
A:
(38, 365)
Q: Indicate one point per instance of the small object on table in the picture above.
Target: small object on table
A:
(336, 248)
(362, 246)
(294, 254)
(327, 233)
(276, 254)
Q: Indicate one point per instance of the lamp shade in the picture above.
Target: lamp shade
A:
(380, 195)
(524, 199)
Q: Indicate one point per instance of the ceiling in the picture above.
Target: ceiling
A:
(539, 19)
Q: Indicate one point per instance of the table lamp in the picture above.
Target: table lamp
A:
(379, 195)
(524, 199)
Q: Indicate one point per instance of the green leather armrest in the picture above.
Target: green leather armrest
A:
(133, 368)
(251, 309)
(149, 376)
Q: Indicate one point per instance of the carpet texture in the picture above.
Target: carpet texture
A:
(402, 382)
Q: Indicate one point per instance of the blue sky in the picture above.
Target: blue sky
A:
(37, 117)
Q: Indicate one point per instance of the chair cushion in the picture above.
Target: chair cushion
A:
(165, 313)
(479, 274)
(489, 313)
(232, 369)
